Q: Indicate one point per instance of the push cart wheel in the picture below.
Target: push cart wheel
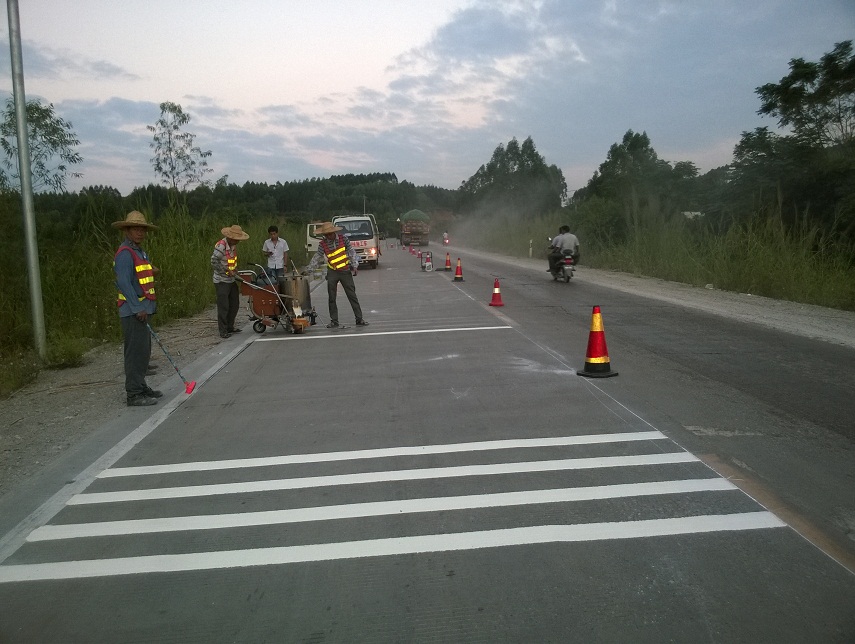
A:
(259, 327)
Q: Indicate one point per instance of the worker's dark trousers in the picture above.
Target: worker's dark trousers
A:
(228, 303)
(137, 354)
(346, 279)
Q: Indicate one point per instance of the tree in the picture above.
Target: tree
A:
(810, 173)
(816, 99)
(51, 141)
(517, 179)
(177, 162)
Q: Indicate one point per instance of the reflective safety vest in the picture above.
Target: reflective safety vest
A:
(337, 259)
(144, 273)
(230, 253)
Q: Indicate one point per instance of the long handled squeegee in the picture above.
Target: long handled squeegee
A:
(188, 385)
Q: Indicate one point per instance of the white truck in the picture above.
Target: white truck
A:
(361, 231)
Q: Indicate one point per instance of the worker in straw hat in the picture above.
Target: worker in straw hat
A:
(342, 262)
(224, 261)
(137, 302)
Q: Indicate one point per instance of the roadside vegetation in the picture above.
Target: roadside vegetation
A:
(778, 221)
(760, 257)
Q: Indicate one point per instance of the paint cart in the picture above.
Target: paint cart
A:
(268, 307)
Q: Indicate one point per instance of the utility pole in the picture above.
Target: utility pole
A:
(33, 272)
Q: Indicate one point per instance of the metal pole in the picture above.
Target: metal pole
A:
(35, 278)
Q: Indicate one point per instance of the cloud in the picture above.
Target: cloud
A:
(574, 75)
(44, 62)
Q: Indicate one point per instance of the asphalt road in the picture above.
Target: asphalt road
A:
(444, 475)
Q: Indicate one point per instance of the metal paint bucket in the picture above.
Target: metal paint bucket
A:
(296, 286)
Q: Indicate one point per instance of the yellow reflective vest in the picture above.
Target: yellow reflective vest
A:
(337, 259)
(144, 273)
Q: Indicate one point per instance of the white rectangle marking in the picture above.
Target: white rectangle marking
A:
(388, 547)
(363, 334)
(381, 477)
(374, 509)
(417, 450)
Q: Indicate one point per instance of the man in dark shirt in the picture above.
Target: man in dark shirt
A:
(342, 262)
(137, 302)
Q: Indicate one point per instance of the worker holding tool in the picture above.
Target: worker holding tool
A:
(136, 302)
(342, 262)
(224, 261)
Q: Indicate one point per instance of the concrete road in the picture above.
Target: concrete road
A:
(444, 475)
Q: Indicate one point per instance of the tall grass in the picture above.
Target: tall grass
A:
(761, 257)
(77, 281)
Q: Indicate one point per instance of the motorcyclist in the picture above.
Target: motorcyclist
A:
(564, 240)
(445, 237)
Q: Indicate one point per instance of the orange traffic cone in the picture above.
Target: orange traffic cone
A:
(447, 262)
(497, 294)
(597, 356)
(458, 272)
(412, 250)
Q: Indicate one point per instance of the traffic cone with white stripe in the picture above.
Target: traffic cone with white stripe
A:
(447, 262)
(458, 272)
(497, 294)
(597, 363)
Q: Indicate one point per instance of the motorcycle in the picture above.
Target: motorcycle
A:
(445, 241)
(563, 268)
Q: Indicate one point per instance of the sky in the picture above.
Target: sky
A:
(286, 90)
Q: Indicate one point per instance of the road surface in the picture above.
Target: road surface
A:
(444, 475)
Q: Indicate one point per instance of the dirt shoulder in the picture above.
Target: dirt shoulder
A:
(41, 421)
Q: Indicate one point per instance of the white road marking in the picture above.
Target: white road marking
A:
(364, 334)
(417, 450)
(389, 547)
(375, 509)
(381, 477)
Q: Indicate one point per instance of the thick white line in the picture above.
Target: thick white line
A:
(363, 334)
(381, 477)
(388, 547)
(375, 509)
(417, 450)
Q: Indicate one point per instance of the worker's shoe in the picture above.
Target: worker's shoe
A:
(361, 322)
(225, 336)
(141, 400)
(332, 325)
(234, 330)
(152, 393)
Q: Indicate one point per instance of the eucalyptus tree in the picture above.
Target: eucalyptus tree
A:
(177, 162)
(52, 145)
(516, 179)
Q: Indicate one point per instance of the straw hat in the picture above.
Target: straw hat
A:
(234, 232)
(134, 219)
(326, 228)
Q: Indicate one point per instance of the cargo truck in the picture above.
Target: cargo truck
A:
(415, 228)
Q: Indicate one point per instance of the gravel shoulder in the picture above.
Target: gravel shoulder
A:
(44, 420)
